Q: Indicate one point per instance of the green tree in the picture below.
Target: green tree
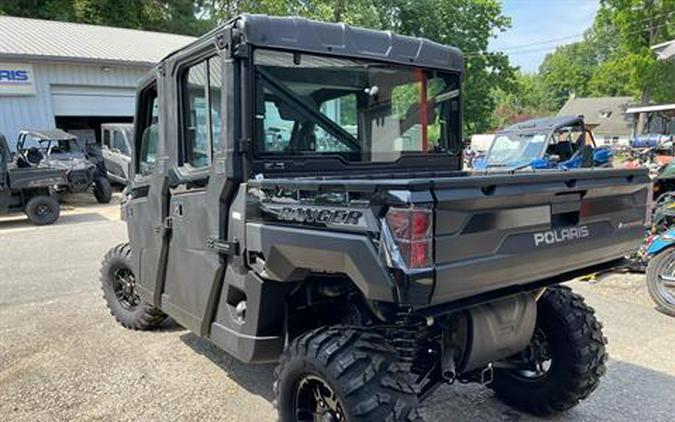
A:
(527, 98)
(466, 24)
(177, 16)
(567, 72)
(614, 58)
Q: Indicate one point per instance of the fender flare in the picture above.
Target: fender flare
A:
(290, 253)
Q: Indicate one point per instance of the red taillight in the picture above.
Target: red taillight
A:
(412, 230)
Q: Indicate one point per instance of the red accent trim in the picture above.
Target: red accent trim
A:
(422, 78)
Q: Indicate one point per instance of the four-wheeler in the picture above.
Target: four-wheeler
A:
(28, 189)
(116, 150)
(562, 142)
(660, 253)
(297, 197)
(83, 166)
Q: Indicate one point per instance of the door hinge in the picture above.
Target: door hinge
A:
(223, 246)
(245, 145)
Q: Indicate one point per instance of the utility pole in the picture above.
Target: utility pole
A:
(654, 22)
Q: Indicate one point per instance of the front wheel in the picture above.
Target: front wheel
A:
(42, 210)
(342, 374)
(661, 281)
(118, 282)
(102, 190)
(563, 363)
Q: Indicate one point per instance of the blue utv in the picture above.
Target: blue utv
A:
(562, 142)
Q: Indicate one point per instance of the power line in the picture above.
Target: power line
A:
(518, 47)
(550, 48)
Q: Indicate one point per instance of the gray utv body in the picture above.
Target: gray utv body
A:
(282, 184)
(249, 231)
(62, 151)
(83, 164)
(18, 185)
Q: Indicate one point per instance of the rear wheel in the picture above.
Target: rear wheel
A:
(102, 190)
(118, 282)
(661, 281)
(342, 374)
(564, 362)
(42, 210)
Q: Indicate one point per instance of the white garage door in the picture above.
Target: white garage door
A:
(92, 101)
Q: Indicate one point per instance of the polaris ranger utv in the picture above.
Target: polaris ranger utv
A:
(297, 198)
(28, 189)
(83, 164)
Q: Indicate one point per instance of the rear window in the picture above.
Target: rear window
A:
(358, 110)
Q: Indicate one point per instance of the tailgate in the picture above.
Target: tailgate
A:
(502, 230)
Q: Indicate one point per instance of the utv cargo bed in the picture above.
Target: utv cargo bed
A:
(501, 230)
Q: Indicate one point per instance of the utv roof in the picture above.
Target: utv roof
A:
(299, 34)
(49, 134)
(545, 123)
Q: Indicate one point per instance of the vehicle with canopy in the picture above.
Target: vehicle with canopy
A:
(60, 150)
(297, 197)
(29, 189)
(562, 142)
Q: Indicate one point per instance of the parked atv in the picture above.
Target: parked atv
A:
(561, 142)
(353, 250)
(28, 188)
(661, 221)
(82, 164)
(661, 271)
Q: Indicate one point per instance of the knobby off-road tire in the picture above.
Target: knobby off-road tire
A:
(365, 383)
(42, 210)
(578, 356)
(118, 284)
(663, 296)
(102, 190)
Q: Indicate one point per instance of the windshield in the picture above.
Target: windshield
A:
(357, 110)
(53, 146)
(516, 148)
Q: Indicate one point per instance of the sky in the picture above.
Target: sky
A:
(538, 26)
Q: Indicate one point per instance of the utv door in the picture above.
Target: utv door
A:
(146, 207)
(194, 271)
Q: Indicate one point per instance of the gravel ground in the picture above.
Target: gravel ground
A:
(62, 357)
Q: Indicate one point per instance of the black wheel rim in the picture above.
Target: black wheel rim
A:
(316, 401)
(665, 286)
(124, 286)
(537, 358)
(43, 210)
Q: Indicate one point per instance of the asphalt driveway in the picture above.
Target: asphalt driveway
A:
(63, 358)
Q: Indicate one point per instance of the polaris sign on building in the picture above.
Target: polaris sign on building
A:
(16, 79)
(72, 76)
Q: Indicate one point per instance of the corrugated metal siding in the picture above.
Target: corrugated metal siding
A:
(17, 113)
(75, 41)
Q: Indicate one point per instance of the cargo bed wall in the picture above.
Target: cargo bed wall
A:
(503, 230)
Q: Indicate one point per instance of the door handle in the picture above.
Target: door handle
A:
(178, 209)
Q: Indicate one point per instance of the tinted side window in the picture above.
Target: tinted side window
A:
(119, 143)
(197, 146)
(201, 87)
(215, 98)
(147, 138)
(106, 138)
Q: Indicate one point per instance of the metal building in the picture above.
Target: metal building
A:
(73, 76)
